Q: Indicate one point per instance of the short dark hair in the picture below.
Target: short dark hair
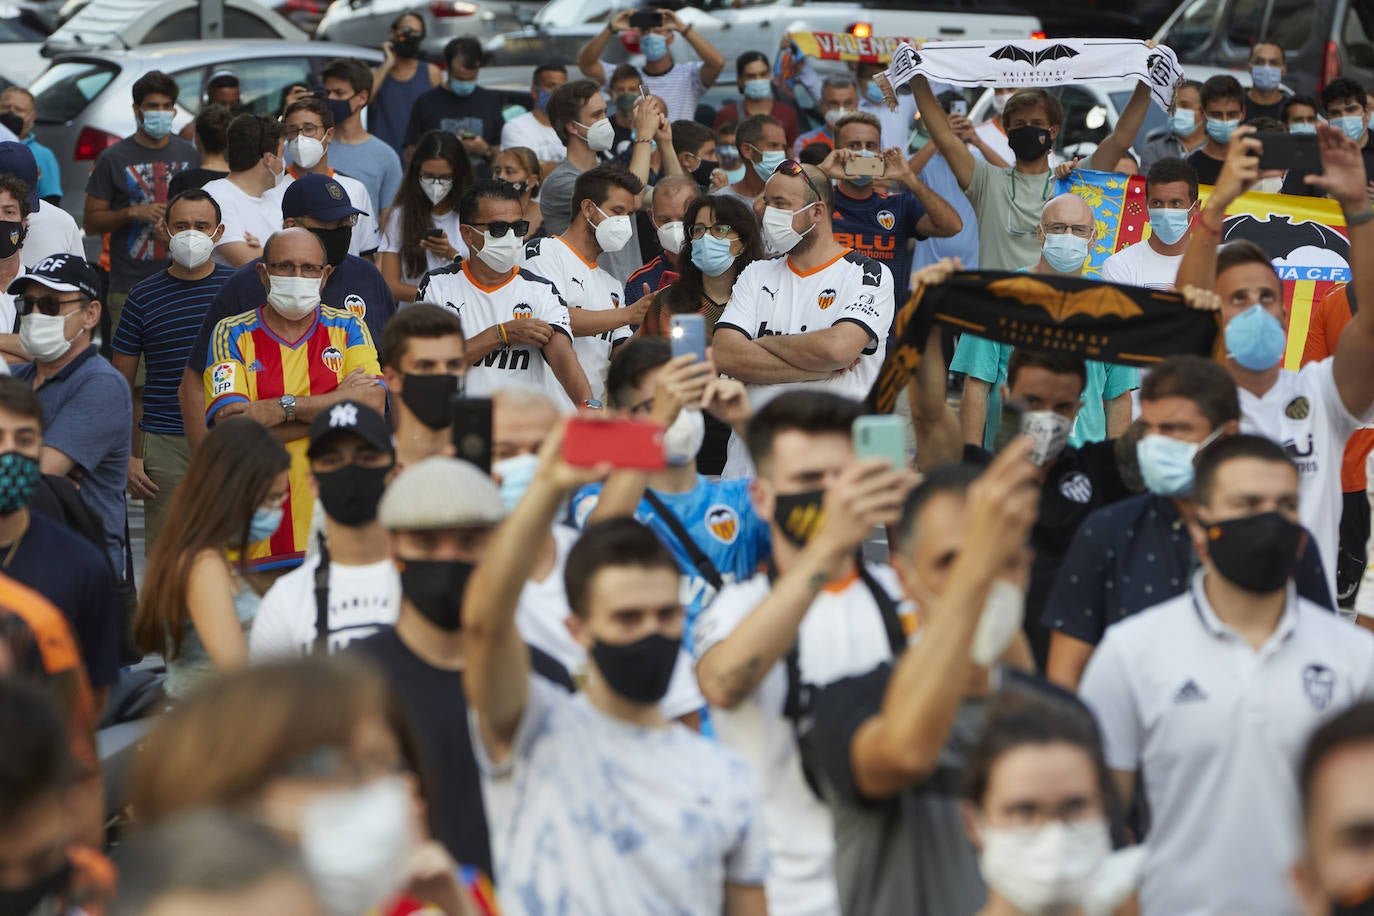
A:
(478, 191)
(36, 763)
(193, 194)
(212, 123)
(315, 106)
(1189, 84)
(750, 129)
(1293, 100)
(249, 138)
(596, 184)
(19, 188)
(624, 72)
(421, 320)
(691, 136)
(946, 479)
(1057, 363)
(814, 153)
(547, 68)
(565, 105)
(1231, 448)
(467, 50)
(1222, 86)
(1341, 88)
(1242, 251)
(1032, 98)
(1265, 41)
(1354, 725)
(155, 81)
(815, 412)
(352, 71)
(18, 398)
(630, 363)
(747, 58)
(1266, 123)
(408, 14)
(616, 542)
(1169, 170)
(1205, 382)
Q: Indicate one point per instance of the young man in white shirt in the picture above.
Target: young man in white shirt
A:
(532, 129)
(309, 132)
(250, 196)
(1171, 196)
(515, 323)
(1212, 693)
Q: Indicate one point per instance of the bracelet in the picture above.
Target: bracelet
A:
(1359, 219)
(644, 140)
(501, 329)
(1202, 221)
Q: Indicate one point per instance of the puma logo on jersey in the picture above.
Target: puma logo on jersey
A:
(772, 294)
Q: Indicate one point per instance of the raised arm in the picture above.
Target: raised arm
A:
(939, 438)
(1116, 143)
(1238, 174)
(712, 61)
(951, 147)
(940, 220)
(589, 57)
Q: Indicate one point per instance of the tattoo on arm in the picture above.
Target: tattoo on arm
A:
(736, 684)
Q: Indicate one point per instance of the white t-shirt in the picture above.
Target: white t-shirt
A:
(243, 215)
(362, 600)
(1141, 265)
(583, 285)
(842, 634)
(680, 88)
(391, 241)
(592, 816)
(52, 230)
(525, 130)
(366, 235)
(523, 295)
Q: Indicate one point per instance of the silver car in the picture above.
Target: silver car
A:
(367, 22)
(85, 102)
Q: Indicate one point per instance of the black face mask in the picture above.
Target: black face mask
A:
(1257, 553)
(11, 238)
(430, 398)
(406, 48)
(798, 515)
(13, 122)
(340, 109)
(1029, 143)
(335, 242)
(702, 173)
(350, 494)
(436, 588)
(519, 187)
(639, 671)
(22, 901)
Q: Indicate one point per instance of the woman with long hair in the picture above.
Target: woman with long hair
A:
(723, 238)
(519, 168)
(422, 231)
(197, 605)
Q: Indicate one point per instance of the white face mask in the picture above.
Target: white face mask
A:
(613, 232)
(436, 189)
(278, 177)
(356, 843)
(999, 100)
(191, 248)
(999, 623)
(503, 253)
(671, 236)
(307, 151)
(834, 115)
(1050, 432)
(293, 297)
(44, 337)
(1040, 868)
(777, 228)
(600, 136)
(683, 439)
(1270, 185)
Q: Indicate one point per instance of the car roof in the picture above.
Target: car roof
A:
(121, 23)
(174, 54)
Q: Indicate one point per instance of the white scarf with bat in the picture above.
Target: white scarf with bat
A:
(1039, 64)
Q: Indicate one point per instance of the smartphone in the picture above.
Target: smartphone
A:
(668, 278)
(434, 233)
(866, 165)
(1282, 151)
(687, 334)
(959, 107)
(472, 430)
(881, 436)
(1009, 427)
(644, 20)
(621, 442)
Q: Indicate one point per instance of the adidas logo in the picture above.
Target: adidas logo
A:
(255, 366)
(1190, 692)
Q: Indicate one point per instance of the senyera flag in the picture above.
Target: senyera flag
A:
(851, 49)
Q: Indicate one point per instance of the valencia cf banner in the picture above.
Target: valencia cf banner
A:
(1129, 325)
(852, 49)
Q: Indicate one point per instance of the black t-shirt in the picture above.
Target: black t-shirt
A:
(1208, 169)
(437, 709)
(440, 109)
(192, 179)
(1254, 109)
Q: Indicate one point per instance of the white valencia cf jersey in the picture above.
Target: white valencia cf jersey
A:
(522, 296)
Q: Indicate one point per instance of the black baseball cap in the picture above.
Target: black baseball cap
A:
(17, 159)
(318, 197)
(66, 273)
(350, 417)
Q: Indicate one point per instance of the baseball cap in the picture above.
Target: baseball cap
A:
(222, 78)
(318, 197)
(66, 273)
(440, 493)
(350, 417)
(17, 159)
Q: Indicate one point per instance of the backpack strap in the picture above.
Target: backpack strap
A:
(321, 646)
(699, 559)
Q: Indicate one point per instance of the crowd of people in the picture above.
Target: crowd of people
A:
(397, 649)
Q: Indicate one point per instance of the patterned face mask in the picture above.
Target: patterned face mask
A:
(18, 479)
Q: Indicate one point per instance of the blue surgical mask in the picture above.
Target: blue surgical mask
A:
(772, 158)
(265, 523)
(1166, 464)
(516, 475)
(1265, 77)
(1065, 252)
(712, 255)
(1303, 128)
(1350, 125)
(1183, 122)
(541, 99)
(654, 46)
(758, 89)
(874, 93)
(1255, 339)
(735, 175)
(1221, 131)
(158, 124)
(727, 154)
(1170, 225)
(462, 87)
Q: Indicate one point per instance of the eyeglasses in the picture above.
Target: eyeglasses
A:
(310, 130)
(288, 269)
(498, 228)
(347, 222)
(47, 305)
(718, 230)
(1083, 232)
(793, 169)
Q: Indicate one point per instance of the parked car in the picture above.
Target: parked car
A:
(131, 23)
(366, 22)
(22, 33)
(84, 101)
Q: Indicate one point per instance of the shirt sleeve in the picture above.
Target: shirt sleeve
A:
(555, 202)
(869, 302)
(231, 220)
(101, 184)
(724, 615)
(360, 353)
(97, 628)
(555, 311)
(1324, 385)
(270, 637)
(226, 376)
(1119, 380)
(1107, 690)
(49, 173)
(838, 709)
(543, 700)
(1076, 605)
(97, 414)
(978, 184)
(128, 337)
(391, 174)
(1114, 270)
(391, 235)
(978, 358)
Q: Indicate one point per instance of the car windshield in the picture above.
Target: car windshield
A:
(574, 12)
(68, 86)
(12, 29)
(1155, 119)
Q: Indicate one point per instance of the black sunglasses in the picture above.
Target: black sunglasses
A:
(499, 228)
(793, 169)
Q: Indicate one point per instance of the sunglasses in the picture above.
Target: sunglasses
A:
(793, 169)
(499, 228)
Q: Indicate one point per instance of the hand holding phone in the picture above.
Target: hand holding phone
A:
(1282, 151)
(472, 430)
(959, 107)
(881, 436)
(621, 442)
(644, 20)
(687, 334)
(871, 166)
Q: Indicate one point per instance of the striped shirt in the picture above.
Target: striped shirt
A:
(680, 87)
(160, 321)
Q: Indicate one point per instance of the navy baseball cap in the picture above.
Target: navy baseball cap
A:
(318, 197)
(350, 417)
(17, 159)
(66, 273)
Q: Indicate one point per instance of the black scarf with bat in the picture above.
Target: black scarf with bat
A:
(1129, 325)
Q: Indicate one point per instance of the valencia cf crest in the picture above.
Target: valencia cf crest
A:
(14, 237)
(723, 523)
(826, 299)
(523, 310)
(1297, 409)
(886, 219)
(1319, 683)
(356, 305)
(615, 300)
(333, 359)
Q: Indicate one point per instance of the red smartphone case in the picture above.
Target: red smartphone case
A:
(620, 442)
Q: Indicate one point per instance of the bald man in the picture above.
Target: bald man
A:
(1067, 232)
(672, 194)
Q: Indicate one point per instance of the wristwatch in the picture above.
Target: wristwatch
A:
(288, 406)
(592, 404)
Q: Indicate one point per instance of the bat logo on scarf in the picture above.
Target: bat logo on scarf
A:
(1095, 302)
(1034, 58)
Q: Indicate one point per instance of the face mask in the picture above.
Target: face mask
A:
(640, 671)
(23, 901)
(1170, 225)
(834, 115)
(735, 175)
(1041, 869)
(1050, 432)
(18, 479)
(44, 337)
(340, 109)
(350, 494)
(613, 232)
(671, 236)
(702, 173)
(1257, 553)
(625, 103)
(436, 189)
(777, 228)
(1271, 185)
(430, 398)
(1166, 464)
(406, 48)
(874, 93)
(519, 187)
(1028, 143)
(462, 87)
(999, 101)
(1266, 78)
(728, 154)
(683, 439)
(190, 249)
(1302, 128)
(516, 475)
(158, 124)
(541, 99)
(356, 842)
(1255, 339)
(768, 164)
(712, 255)
(1183, 122)
(336, 242)
(307, 151)
(654, 46)
(600, 136)
(264, 523)
(278, 175)
(758, 89)
(12, 235)
(798, 515)
(999, 623)
(436, 587)
(293, 297)
(1351, 125)
(503, 253)
(1221, 131)
(1065, 252)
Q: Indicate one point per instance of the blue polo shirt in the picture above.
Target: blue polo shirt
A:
(1135, 554)
(49, 172)
(880, 227)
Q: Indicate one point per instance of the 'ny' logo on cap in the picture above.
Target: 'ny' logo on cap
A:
(343, 415)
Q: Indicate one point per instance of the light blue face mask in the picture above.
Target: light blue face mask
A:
(712, 255)
(735, 175)
(516, 475)
(1255, 339)
(541, 99)
(1065, 252)
(874, 93)
(265, 523)
(757, 89)
(1265, 77)
(1350, 125)
(654, 46)
(1170, 225)
(727, 154)
(1166, 464)
(1183, 122)
(1303, 128)
(1221, 131)
(462, 87)
(772, 158)
(158, 124)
